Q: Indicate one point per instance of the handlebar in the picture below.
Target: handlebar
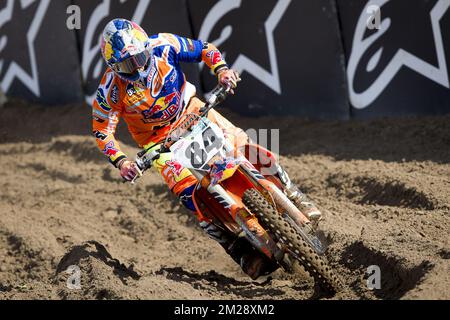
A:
(218, 95)
(144, 159)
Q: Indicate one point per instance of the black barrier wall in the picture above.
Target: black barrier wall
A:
(313, 58)
(401, 68)
(286, 68)
(38, 54)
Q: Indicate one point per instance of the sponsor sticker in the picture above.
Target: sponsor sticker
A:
(99, 114)
(98, 119)
(101, 99)
(163, 109)
(214, 56)
(175, 166)
(100, 135)
(110, 150)
(115, 94)
(191, 45)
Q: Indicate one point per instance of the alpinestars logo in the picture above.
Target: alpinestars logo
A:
(376, 65)
(243, 63)
(14, 16)
(93, 65)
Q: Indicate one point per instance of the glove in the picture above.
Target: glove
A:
(229, 79)
(129, 170)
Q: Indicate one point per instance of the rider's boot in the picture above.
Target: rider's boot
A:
(252, 262)
(302, 202)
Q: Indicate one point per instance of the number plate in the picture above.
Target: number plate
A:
(199, 147)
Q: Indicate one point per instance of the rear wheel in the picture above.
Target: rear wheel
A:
(283, 231)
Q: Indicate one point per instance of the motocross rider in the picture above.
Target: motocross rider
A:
(145, 86)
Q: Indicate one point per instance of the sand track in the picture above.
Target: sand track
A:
(384, 187)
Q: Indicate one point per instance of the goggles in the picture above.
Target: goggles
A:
(133, 63)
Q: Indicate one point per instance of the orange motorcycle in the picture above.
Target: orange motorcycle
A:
(232, 192)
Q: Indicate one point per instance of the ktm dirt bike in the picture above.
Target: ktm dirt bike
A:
(232, 193)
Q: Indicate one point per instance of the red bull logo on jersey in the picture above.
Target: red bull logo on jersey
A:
(163, 109)
(214, 56)
(175, 166)
(110, 150)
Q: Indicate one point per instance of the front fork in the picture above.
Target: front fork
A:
(248, 223)
(284, 205)
(275, 195)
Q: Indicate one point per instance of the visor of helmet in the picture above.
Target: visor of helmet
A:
(133, 63)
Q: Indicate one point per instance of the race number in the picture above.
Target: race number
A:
(198, 148)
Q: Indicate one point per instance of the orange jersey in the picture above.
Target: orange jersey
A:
(149, 112)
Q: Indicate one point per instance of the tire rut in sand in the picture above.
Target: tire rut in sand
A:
(366, 190)
(41, 170)
(397, 275)
(100, 273)
(221, 283)
(79, 148)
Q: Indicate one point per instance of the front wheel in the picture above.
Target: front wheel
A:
(284, 232)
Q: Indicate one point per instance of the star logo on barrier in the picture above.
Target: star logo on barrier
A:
(243, 63)
(10, 67)
(401, 57)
